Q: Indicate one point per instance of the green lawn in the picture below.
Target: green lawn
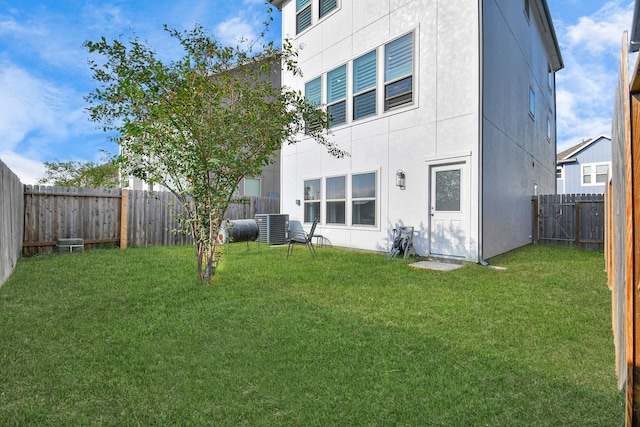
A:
(114, 337)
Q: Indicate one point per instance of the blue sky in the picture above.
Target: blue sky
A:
(44, 74)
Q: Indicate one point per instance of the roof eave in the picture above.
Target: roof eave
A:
(634, 45)
(277, 3)
(550, 38)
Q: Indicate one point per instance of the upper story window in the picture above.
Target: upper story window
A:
(327, 6)
(550, 76)
(313, 94)
(303, 15)
(305, 12)
(532, 103)
(337, 96)
(364, 85)
(398, 72)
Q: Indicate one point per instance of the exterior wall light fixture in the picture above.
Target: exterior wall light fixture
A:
(400, 179)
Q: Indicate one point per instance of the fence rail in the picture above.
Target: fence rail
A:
(113, 217)
(576, 220)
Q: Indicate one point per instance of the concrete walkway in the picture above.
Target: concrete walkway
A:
(435, 265)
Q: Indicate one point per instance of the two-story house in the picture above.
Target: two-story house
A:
(447, 108)
(585, 167)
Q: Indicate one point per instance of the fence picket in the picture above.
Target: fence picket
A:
(51, 213)
(571, 220)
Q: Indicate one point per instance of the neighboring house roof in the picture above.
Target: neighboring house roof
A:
(568, 155)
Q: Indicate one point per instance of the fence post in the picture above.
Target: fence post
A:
(577, 230)
(536, 219)
(124, 218)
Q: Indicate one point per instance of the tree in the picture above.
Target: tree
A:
(200, 124)
(81, 174)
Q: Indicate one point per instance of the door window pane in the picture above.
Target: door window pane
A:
(448, 191)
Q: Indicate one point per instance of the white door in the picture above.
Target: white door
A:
(449, 210)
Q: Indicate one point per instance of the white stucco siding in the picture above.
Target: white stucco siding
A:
(517, 155)
(442, 120)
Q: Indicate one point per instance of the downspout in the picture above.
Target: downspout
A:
(480, 129)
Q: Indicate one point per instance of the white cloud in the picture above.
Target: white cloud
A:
(28, 170)
(237, 30)
(586, 86)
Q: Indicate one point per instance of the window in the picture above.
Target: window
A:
(364, 86)
(363, 199)
(526, 9)
(549, 129)
(595, 173)
(336, 200)
(313, 94)
(252, 187)
(311, 200)
(398, 72)
(337, 96)
(550, 76)
(559, 172)
(303, 15)
(327, 6)
(532, 103)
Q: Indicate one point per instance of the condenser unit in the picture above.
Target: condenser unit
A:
(273, 228)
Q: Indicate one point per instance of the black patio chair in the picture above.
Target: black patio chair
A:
(300, 237)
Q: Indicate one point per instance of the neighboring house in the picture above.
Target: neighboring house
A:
(265, 185)
(448, 110)
(585, 167)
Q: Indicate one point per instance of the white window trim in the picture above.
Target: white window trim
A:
(326, 200)
(561, 169)
(315, 15)
(593, 166)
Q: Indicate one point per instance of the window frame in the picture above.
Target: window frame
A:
(365, 199)
(247, 179)
(593, 173)
(365, 90)
(306, 8)
(559, 171)
(339, 101)
(532, 103)
(328, 11)
(311, 200)
(390, 81)
(335, 200)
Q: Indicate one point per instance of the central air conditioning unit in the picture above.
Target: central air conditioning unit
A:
(272, 228)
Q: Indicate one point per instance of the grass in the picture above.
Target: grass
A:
(114, 337)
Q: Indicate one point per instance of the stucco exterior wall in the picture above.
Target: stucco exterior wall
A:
(442, 122)
(518, 155)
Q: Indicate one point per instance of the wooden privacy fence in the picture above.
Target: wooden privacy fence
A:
(113, 217)
(576, 220)
(11, 221)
